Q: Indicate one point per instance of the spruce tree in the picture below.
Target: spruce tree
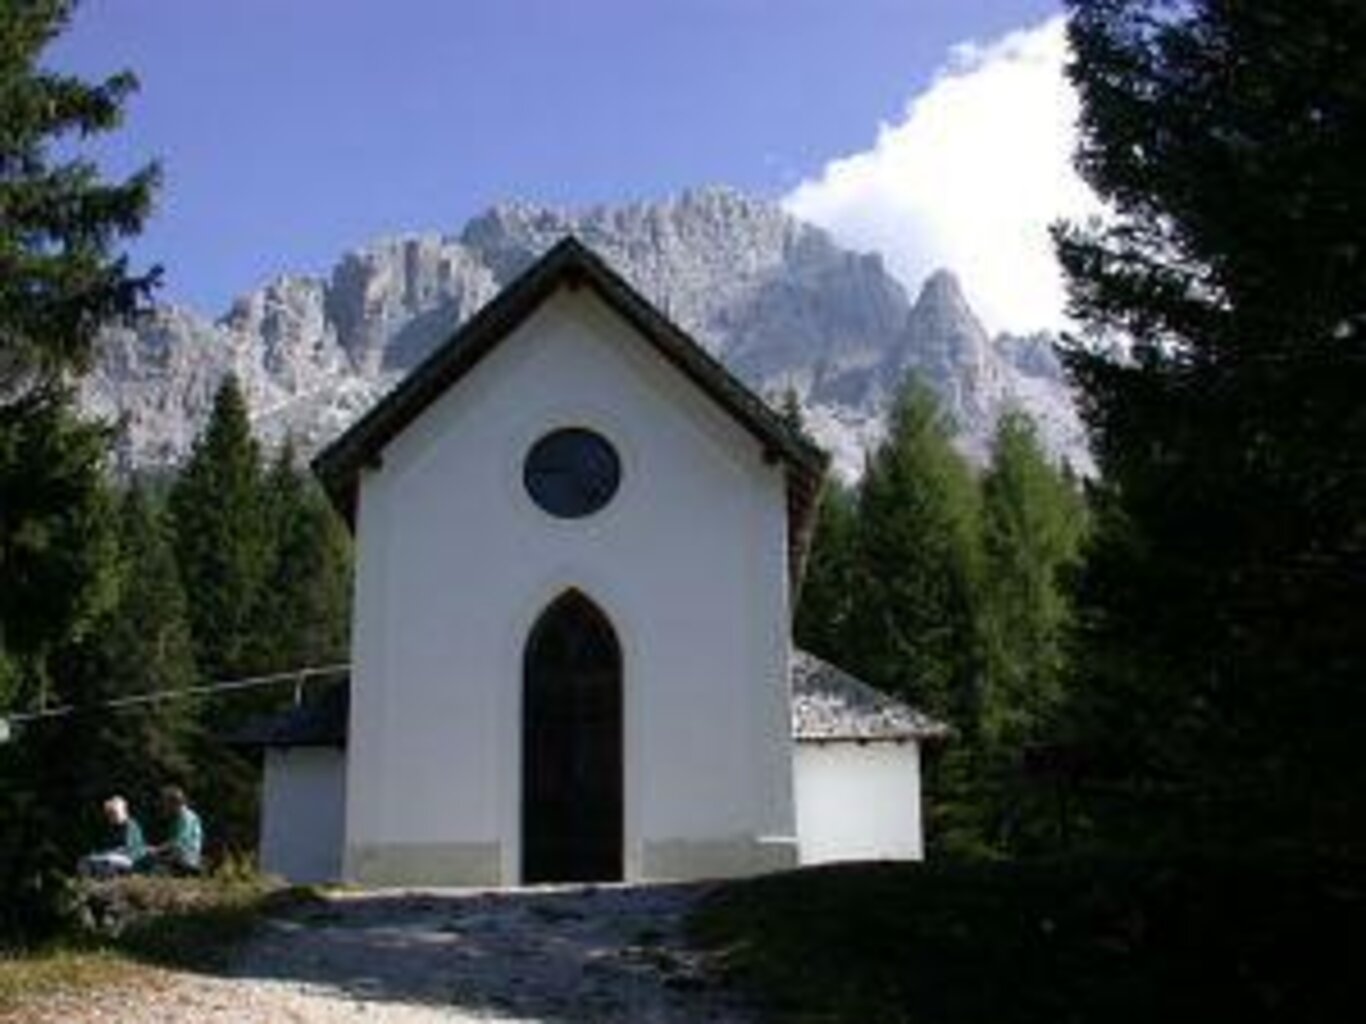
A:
(143, 647)
(224, 542)
(307, 599)
(61, 279)
(825, 608)
(915, 608)
(223, 539)
(57, 542)
(139, 646)
(1220, 372)
(58, 563)
(1033, 523)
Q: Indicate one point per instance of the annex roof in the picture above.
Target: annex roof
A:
(320, 721)
(829, 705)
(573, 265)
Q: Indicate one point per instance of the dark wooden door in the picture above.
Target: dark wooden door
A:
(571, 746)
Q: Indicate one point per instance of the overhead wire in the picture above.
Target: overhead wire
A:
(297, 676)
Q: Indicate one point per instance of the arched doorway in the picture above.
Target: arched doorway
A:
(571, 746)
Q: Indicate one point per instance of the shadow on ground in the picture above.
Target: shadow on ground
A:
(594, 953)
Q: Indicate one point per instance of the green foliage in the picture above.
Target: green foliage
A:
(1033, 524)
(266, 567)
(56, 537)
(823, 624)
(1220, 630)
(915, 608)
(265, 559)
(307, 600)
(60, 278)
(1083, 940)
(913, 621)
(59, 560)
(9, 679)
(97, 601)
(952, 592)
(223, 538)
(141, 646)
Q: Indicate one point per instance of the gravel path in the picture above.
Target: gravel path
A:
(582, 954)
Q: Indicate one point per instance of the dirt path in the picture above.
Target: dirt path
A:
(606, 954)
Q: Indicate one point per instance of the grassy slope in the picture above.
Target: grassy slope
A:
(1077, 941)
(24, 977)
(188, 925)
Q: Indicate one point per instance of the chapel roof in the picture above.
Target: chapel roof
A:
(572, 264)
(828, 704)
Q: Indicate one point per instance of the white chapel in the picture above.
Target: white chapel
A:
(578, 541)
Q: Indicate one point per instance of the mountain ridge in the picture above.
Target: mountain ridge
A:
(774, 298)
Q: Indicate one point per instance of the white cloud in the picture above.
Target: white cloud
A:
(970, 179)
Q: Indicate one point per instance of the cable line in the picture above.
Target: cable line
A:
(297, 676)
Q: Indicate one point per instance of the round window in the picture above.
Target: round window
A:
(572, 472)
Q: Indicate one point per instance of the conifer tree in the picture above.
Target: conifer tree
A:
(60, 276)
(308, 596)
(139, 646)
(1033, 523)
(61, 279)
(1221, 374)
(223, 542)
(58, 580)
(915, 613)
(143, 647)
(825, 609)
(57, 542)
(223, 538)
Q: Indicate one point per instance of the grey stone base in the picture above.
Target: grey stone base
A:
(684, 859)
(424, 864)
(480, 864)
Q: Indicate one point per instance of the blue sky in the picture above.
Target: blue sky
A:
(289, 130)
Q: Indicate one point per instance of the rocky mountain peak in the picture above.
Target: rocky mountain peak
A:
(942, 296)
(775, 298)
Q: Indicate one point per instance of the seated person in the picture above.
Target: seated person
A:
(126, 846)
(183, 851)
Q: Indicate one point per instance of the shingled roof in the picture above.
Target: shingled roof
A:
(573, 265)
(828, 704)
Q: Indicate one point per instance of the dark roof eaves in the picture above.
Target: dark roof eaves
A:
(339, 464)
(704, 368)
(864, 739)
(318, 723)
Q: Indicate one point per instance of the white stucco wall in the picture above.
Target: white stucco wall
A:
(455, 563)
(302, 808)
(858, 801)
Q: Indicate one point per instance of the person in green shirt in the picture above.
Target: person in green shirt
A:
(183, 851)
(126, 846)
